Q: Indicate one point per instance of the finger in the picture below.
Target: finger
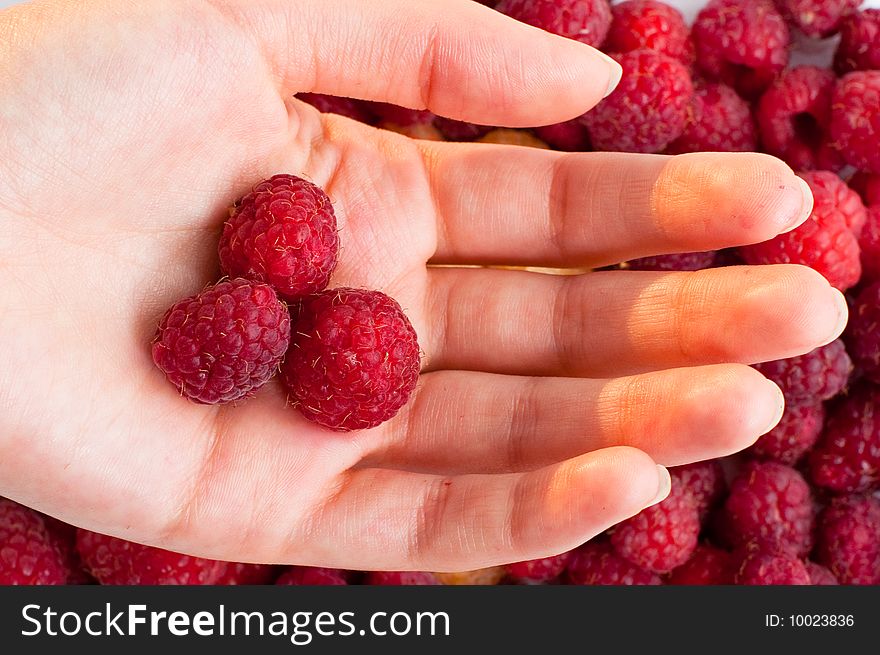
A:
(499, 204)
(466, 522)
(463, 422)
(454, 57)
(612, 323)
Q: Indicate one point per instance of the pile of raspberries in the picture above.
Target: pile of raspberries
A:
(801, 506)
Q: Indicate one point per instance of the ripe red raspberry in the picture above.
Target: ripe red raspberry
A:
(536, 571)
(824, 242)
(223, 343)
(796, 434)
(859, 48)
(848, 539)
(819, 375)
(743, 44)
(855, 119)
(817, 18)
(586, 21)
(688, 261)
(771, 504)
(400, 578)
(63, 537)
(115, 561)
(401, 116)
(707, 566)
(835, 196)
(863, 332)
(705, 482)
(238, 573)
(662, 536)
(820, 575)
(867, 185)
(570, 136)
(847, 458)
(718, 120)
(29, 554)
(353, 360)
(282, 233)
(637, 24)
(753, 565)
(869, 242)
(312, 575)
(335, 105)
(794, 117)
(596, 563)
(459, 130)
(647, 110)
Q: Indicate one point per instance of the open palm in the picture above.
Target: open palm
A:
(127, 129)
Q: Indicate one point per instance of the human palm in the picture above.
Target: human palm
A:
(545, 401)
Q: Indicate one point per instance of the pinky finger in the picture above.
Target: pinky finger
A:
(401, 520)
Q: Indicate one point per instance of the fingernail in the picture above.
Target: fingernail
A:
(842, 314)
(807, 202)
(780, 407)
(664, 485)
(615, 73)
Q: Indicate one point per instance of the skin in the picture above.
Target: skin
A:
(546, 403)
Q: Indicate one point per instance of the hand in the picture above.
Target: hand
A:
(126, 129)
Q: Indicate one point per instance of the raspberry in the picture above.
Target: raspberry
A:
(29, 552)
(795, 435)
(820, 575)
(859, 48)
(637, 24)
(794, 117)
(596, 563)
(755, 566)
(335, 105)
(705, 482)
(536, 571)
(63, 536)
(570, 136)
(312, 575)
(823, 242)
(848, 539)
(400, 578)
(353, 360)
(847, 458)
(647, 110)
(863, 332)
(586, 21)
(707, 565)
(817, 18)
(819, 375)
(867, 185)
(459, 130)
(282, 233)
(869, 242)
(223, 343)
(118, 562)
(488, 576)
(507, 137)
(855, 119)
(401, 116)
(688, 261)
(743, 44)
(718, 120)
(662, 536)
(769, 503)
(237, 573)
(837, 197)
